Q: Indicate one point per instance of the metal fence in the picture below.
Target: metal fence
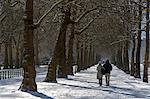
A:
(10, 73)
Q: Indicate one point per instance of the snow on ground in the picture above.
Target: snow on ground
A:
(83, 85)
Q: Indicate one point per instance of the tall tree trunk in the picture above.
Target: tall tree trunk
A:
(51, 74)
(126, 58)
(36, 36)
(94, 56)
(10, 53)
(119, 56)
(6, 57)
(78, 55)
(21, 56)
(17, 57)
(71, 43)
(36, 48)
(90, 54)
(146, 61)
(17, 51)
(62, 60)
(132, 56)
(81, 57)
(92, 59)
(85, 56)
(28, 83)
(138, 56)
(113, 57)
(70, 51)
(59, 56)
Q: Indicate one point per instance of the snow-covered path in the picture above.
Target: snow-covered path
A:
(83, 85)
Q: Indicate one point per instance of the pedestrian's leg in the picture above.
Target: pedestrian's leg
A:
(101, 81)
(107, 79)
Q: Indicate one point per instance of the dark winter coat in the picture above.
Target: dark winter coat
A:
(108, 67)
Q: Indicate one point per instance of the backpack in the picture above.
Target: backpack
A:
(103, 70)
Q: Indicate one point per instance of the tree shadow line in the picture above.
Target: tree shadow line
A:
(40, 95)
(131, 92)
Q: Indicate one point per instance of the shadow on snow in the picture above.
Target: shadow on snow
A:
(113, 89)
(40, 95)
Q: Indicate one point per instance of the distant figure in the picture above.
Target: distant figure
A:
(108, 69)
(104, 70)
(99, 73)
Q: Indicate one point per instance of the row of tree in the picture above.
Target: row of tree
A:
(89, 29)
(134, 19)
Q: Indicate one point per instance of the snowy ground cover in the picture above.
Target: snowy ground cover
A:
(83, 85)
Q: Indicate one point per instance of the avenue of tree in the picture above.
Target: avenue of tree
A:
(73, 32)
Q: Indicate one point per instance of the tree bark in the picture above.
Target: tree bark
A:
(119, 57)
(81, 56)
(28, 83)
(146, 61)
(10, 53)
(71, 42)
(17, 51)
(127, 70)
(90, 54)
(132, 57)
(36, 48)
(85, 56)
(59, 56)
(137, 70)
(6, 57)
(62, 58)
(70, 51)
(78, 55)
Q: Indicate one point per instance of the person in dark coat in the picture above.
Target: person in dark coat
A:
(108, 68)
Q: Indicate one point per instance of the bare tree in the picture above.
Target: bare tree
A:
(28, 82)
(137, 71)
(146, 61)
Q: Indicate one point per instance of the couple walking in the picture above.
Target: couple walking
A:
(104, 69)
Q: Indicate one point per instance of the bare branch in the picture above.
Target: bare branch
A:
(14, 3)
(2, 13)
(47, 12)
(84, 28)
(2, 18)
(54, 19)
(85, 13)
(115, 42)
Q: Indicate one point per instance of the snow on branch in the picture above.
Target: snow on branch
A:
(14, 3)
(2, 13)
(47, 12)
(85, 13)
(2, 18)
(115, 42)
(84, 28)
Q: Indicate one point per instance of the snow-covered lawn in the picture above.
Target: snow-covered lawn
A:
(83, 85)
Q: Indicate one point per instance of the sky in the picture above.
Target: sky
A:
(83, 85)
